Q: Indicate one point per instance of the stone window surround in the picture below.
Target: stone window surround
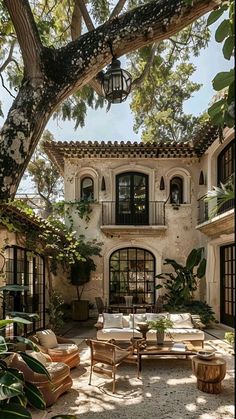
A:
(134, 167)
(185, 176)
(119, 246)
(80, 175)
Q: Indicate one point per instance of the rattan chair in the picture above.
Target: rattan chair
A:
(108, 354)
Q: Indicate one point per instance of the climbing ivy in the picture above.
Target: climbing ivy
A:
(50, 237)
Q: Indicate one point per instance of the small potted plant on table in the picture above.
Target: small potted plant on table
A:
(160, 325)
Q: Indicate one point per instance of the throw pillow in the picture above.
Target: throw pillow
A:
(47, 338)
(134, 319)
(39, 356)
(111, 320)
(181, 320)
(156, 316)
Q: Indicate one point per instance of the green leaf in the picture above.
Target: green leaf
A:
(222, 31)
(10, 386)
(223, 79)
(216, 108)
(202, 268)
(28, 342)
(3, 345)
(21, 399)
(158, 287)
(214, 16)
(14, 411)
(192, 259)
(34, 396)
(231, 94)
(16, 288)
(228, 47)
(34, 364)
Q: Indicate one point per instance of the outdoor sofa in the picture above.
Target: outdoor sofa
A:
(119, 327)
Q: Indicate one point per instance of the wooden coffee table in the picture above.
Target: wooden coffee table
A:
(166, 349)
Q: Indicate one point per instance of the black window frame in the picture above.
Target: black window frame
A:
(180, 185)
(226, 170)
(143, 290)
(18, 271)
(82, 198)
(133, 217)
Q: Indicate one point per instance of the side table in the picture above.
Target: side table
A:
(209, 373)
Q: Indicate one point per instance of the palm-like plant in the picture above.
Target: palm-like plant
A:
(181, 284)
(220, 195)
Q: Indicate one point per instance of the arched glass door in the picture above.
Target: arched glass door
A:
(132, 199)
(132, 272)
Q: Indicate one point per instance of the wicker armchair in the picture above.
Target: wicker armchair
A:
(108, 354)
(66, 351)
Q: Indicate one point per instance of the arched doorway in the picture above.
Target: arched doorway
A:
(132, 272)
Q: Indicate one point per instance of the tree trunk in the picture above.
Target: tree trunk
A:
(57, 73)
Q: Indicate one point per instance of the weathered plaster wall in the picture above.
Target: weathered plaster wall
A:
(178, 239)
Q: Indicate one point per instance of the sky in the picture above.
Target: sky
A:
(117, 123)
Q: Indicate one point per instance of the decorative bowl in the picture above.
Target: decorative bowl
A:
(208, 355)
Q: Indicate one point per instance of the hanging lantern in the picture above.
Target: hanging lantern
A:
(116, 82)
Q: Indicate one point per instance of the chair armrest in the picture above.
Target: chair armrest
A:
(98, 325)
(60, 339)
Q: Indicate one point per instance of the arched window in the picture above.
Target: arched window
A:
(132, 272)
(176, 190)
(87, 189)
(225, 171)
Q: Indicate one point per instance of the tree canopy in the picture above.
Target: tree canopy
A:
(63, 47)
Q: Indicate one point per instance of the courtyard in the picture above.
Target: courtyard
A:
(167, 387)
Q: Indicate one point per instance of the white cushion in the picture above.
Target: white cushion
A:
(65, 348)
(112, 320)
(125, 321)
(136, 318)
(38, 355)
(47, 338)
(181, 320)
(156, 316)
(124, 334)
(178, 335)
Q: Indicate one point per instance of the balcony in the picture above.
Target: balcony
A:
(148, 220)
(221, 223)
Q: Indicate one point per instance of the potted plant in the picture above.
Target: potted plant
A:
(160, 325)
(80, 275)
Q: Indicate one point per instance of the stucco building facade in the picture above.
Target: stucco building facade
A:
(146, 206)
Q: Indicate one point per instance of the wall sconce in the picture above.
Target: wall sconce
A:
(201, 178)
(116, 82)
(103, 185)
(162, 184)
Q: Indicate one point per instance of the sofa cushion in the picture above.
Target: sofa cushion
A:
(134, 319)
(181, 320)
(178, 335)
(112, 320)
(47, 338)
(64, 349)
(38, 355)
(124, 334)
(156, 316)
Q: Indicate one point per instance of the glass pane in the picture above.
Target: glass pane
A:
(87, 189)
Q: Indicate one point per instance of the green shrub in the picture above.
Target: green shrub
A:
(230, 337)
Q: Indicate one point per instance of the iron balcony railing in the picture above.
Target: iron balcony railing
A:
(153, 213)
(203, 209)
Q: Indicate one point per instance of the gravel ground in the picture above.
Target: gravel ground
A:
(166, 390)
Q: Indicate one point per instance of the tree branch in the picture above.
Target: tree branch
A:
(139, 80)
(76, 22)
(85, 14)
(117, 9)
(27, 35)
(9, 58)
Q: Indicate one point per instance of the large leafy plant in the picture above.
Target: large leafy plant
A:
(222, 110)
(181, 284)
